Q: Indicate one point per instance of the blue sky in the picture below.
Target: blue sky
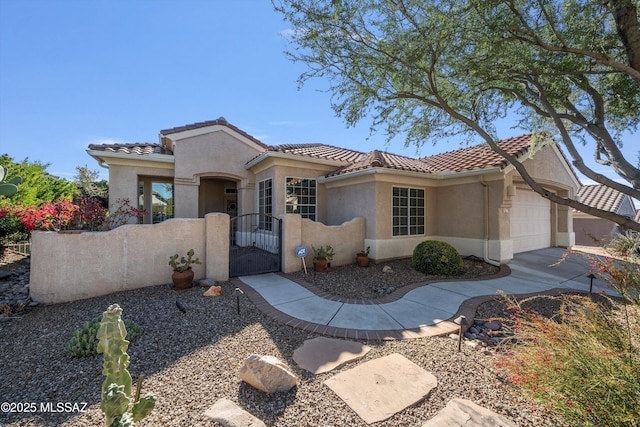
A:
(79, 72)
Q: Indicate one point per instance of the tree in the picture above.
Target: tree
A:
(90, 184)
(37, 185)
(569, 69)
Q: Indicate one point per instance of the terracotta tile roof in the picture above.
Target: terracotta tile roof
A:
(381, 159)
(478, 157)
(221, 121)
(320, 151)
(141, 148)
(601, 197)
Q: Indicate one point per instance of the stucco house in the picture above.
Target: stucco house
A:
(469, 197)
(594, 231)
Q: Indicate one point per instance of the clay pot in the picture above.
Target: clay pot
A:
(320, 264)
(362, 260)
(182, 280)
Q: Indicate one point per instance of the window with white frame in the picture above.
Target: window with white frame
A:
(301, 197)
(408, 211)
(265, 204)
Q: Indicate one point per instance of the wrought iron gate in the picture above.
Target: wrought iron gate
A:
(255, 243)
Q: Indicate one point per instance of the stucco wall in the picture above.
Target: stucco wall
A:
(587, 229)
(347, 240)
(123, 181)
(546, 167)
(67, 267)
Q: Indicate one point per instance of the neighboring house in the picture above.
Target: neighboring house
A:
(470, 197)
(594, 231)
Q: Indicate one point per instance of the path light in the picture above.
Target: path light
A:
(591, 277)
(427, 265)
(314, 261)
(236, 293)
(462, 321)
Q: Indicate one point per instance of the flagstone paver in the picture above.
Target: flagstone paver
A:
(378, 389)
(322, 354)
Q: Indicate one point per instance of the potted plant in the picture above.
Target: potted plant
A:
(321, 256)
(362, 257)
(182, 273)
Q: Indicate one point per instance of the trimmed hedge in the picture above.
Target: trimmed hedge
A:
(438, 258)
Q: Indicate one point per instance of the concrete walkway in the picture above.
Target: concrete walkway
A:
(424, 311)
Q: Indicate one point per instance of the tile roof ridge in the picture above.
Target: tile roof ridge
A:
(221, 121)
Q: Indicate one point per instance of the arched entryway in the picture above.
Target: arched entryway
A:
(217, 195)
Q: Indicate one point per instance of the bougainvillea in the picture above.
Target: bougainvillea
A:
(87, 213)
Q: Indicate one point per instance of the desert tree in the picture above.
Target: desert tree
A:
(568, 71)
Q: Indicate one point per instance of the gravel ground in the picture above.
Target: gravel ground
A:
(191, 360)
(351, 281)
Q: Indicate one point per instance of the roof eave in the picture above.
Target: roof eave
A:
(100, 156)
(289, 156)
(401, 172)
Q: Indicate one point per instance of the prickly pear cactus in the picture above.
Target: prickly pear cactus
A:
(84, 341)
(116, 388)
(8, 188)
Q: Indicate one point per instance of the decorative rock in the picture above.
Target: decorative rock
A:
(267, 373)
(465, 413)
(213, 291)
(206, 282)
(390, 289)
(494, 325)
(229, 414)
(387, 269)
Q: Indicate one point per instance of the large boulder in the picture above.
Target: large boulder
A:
(268, 374)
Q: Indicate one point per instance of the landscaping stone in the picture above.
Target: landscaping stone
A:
(378, 389)
(227, 413)
(268, 374)
(213, 291)
(322, 354)
(465, 413)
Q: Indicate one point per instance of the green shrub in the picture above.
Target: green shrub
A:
(84, 341)
(436, 257)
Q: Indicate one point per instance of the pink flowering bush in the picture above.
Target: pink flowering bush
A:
(86, 213)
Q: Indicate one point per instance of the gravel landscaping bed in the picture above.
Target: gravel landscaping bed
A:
(351, 281)
(191, 360)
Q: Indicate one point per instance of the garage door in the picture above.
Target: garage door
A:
(530, 221)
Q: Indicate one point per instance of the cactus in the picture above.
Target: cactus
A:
(8, 188)
(84, 340)
(116, 388)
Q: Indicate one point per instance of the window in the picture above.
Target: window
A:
(301, 197)
(265, 204)
(156, 197)
(408, 211)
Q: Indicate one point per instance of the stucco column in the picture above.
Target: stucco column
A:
(291, 239)
(217, 244)
(565, 237)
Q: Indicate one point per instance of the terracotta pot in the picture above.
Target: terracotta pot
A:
(182, 280)
(362, 260)
(321, 264)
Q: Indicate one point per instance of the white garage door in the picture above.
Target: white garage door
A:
(530, 221)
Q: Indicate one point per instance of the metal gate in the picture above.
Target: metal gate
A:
(255, 243)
